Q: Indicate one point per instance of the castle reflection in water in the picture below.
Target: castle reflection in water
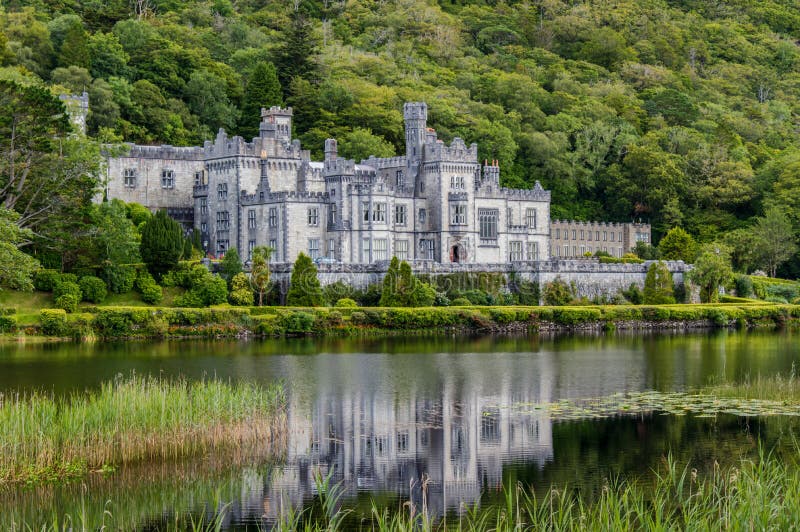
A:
(445, 419)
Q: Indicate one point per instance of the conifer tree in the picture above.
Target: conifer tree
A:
(304, 288)
(390, 283)
(263, 90)
(296, 57)
(162, 244)
(658, 288)
(230, 265)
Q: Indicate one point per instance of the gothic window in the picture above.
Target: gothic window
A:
(605, 236)
(129, 177)
(400, 180)
(331, 248)
(422, 216)
(613, 236)
(458, 214)
(223, 221)
(428, 248)
(530, 218)
(251, 219)
(515, 251)
(313, 248)
(400, 215)
(203, 206)
(619, 236)
(558, 234)
(380, 249)
(222, 191)
(590, 235)
(365, 250)
(457, 182)
(365, 210)
(532, 250)
(379, 213)
(251, 245)
(203, 227)
(332, 214)
(167, 178)
(273, 245)
(273, 217)
(642, 237)
(574, 235)
(487, 222)
(401, 249)
(581, 234)
(313, 216)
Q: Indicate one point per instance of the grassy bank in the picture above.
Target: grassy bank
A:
(153, 322)
(132, 420)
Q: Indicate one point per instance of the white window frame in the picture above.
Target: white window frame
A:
(312, 216)
(401, 249)
(313, 248)
(168, 178)
(129, 177)
(515, 251)
(380, 249)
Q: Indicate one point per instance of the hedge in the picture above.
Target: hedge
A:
(121, 322)
(8, 319)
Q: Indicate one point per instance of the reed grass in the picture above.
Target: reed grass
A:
(762, 494)
(773, 388)
(130, 420)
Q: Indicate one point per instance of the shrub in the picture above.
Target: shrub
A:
(460, 302)
(478, 297)
(743, 285)
(633, 294)
(93, 289)
(119, 278)
(205, 289)
(54, 321)
(8, 321)
(658, 285)
(346, 302)
(241, 292)
(297, 322)
(66, 287)
(339, 290)
(557, 293)
(46, 280)
(148, 288)
(67, 301)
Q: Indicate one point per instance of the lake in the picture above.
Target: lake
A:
(383, 415)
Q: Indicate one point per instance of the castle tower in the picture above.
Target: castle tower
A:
(276, 122)
(415, 115)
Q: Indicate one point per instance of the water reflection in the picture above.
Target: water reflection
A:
(379, 415)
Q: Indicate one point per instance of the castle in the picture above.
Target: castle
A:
(434, 203)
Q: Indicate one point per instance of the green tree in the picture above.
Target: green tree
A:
(230, 265)
(241, 292)
(390, 284)
(16, 267)
(260, 272)
(658, 287)
(712, 269)
(774, 240)
(107, 57)
(304, 287)
(557, 293)
(263, 90)
(360, 143)
(677, 244)
(162, 244)
(296, 57)
(74, 49)
(208, 99)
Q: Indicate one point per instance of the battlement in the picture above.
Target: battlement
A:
(491, 172)
(456, 152)
(415, 111)
(607, 225)
(276, 110)
(165, 151)
(537, 193)
(385, 162)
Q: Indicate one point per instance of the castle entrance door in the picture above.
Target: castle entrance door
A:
(458, 253)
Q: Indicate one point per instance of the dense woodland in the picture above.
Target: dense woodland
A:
(678, 112)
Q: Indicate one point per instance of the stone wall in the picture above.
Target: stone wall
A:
(591, 278)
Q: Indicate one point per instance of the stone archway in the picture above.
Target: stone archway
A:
(458, 253)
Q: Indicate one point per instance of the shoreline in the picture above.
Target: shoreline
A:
(127, 323)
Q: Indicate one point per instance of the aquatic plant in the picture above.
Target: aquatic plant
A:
(130, 420)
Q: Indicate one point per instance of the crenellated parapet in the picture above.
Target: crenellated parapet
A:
(165, 151)
(457, 151)
(385, 162)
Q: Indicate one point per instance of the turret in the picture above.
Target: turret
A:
(276, 122)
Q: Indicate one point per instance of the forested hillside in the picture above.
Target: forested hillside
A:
(680, 112)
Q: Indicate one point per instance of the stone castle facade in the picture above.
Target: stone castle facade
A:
(436, 202)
